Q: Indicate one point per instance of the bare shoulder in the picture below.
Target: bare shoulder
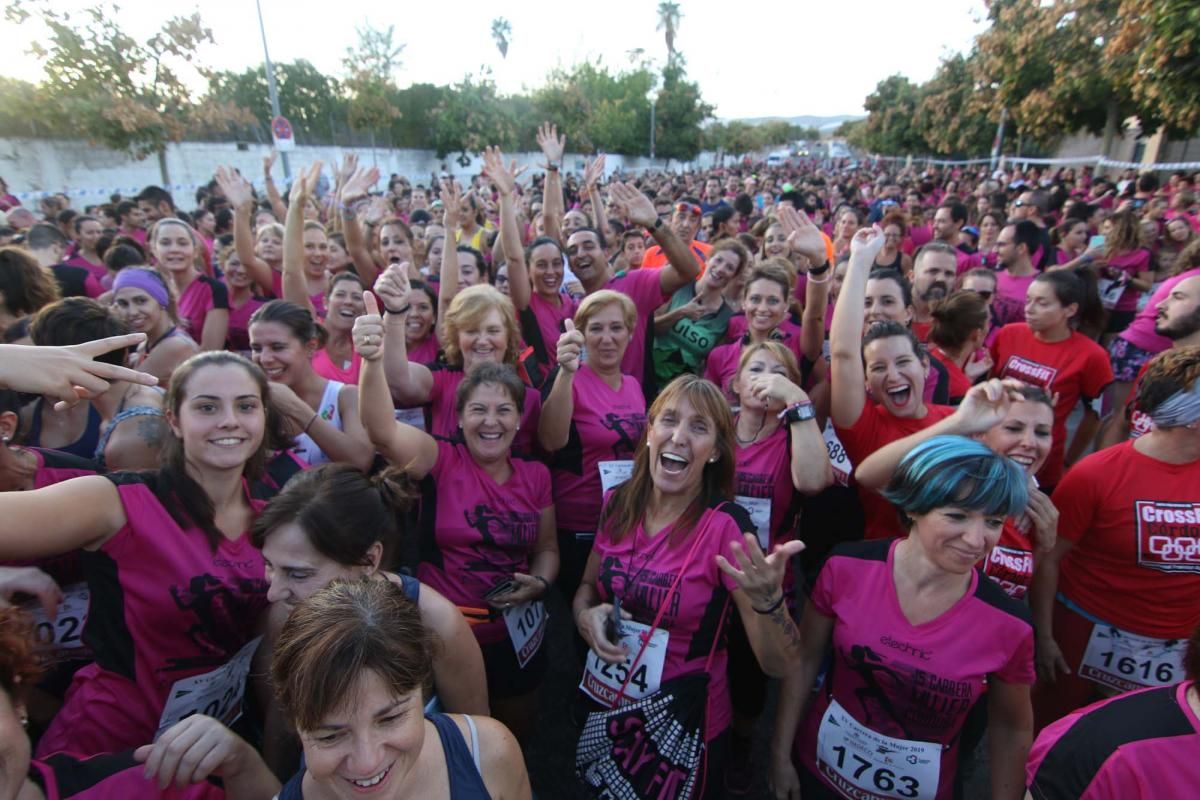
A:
(501, 761)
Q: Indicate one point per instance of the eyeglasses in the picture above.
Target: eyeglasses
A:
(688, 208)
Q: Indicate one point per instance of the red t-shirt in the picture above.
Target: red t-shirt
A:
(1075, 368)
(875, 428)
(960, 384)
(1010, 563)
(921, 330)
(1135, 522)
(1139, 421)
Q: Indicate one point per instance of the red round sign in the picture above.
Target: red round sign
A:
(281, 128)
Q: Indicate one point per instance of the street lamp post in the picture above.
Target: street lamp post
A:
(652, 96)
(287, 172)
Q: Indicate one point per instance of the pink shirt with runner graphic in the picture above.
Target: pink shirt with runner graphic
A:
(1136, 746)
(644, 288)
(905, 681)
(475, 532)
(165, 606)
(640, 569)
(606, 426)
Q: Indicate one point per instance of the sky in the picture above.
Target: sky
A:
(788, 58)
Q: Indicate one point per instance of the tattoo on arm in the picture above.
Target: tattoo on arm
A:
(151, 428)
(783, 619)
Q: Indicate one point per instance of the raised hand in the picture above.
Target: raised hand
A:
(452, 203)
(306, 183)
(594, 171)
(358, 184)
(553, 146)
(269, 162)
(392, 288)
(775, 390)
(978, 365)
(68, 373)
(570, 348)
(986, 405)
(637, 206)
(368, 330)
(348, 168)
(1042, 515)
(759, 576)
(867, 243)
(235, 187)
(504, 179)
(802, 235)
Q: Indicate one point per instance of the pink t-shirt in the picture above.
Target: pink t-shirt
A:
(475, 532)
(109, 777)
(1131, 264)
(790, 328)
(426, 352)
(203, 295)
(444, 414)
(1008, 305)
(238, 337)
(164, 607)
(542, 324)
(905, 681)
(323, 365)
(606, 426)
(640, 569)
(1140, 332)
(643, 287)
(764, 472)
(1134, 746)
(722, 363)
(99, 271)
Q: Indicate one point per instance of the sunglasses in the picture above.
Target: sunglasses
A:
(984, 293)
(688, 208)
(1020, 204)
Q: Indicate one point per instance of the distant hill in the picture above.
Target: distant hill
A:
(825, 124)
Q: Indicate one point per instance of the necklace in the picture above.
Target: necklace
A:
(753, 438)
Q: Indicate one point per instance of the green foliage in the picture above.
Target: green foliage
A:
(680, 112)
(370, 89)
(308, 98)
(891, 117)
(952, 114)
(472, 116)
(126, 94)
(501, 34)
(599, 110)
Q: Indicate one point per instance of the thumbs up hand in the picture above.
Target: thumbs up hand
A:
(570, 348)
(368, 330)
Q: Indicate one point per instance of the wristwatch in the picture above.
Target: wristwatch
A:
(798, 412)
(552, 166)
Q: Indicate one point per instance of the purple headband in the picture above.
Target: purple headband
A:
(142, 279)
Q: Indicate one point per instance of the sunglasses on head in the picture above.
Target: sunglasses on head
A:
(688, 208)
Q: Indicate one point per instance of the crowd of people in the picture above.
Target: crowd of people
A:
(289, 478)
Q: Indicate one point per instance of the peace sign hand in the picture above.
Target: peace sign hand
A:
(760, 576)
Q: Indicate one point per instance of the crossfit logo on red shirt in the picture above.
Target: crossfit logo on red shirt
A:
(1168, 535)
(1030, 372)
(1012, 568)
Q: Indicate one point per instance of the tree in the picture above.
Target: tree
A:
(102, 82)
(1051, 65)
(501, 31)
(854, 132)
(370, 85)
(311, 100)
(1163, 39)
(668, 23)
(681, 112)
(598, 109)
(953, 113)
(472, 116)
(890, 125)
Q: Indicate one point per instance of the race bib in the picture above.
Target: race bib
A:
(526, 625)
(1125, 661)
(602, 681)
(759, 509)
(411, 416)
(868, 765)
(614, 473)
(64, 635)
(217, 694)
(842, 468)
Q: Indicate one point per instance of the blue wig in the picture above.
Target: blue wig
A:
(959, 472)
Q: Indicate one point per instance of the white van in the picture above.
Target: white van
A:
(778, 158)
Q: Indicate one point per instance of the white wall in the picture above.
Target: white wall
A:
(89, 173)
